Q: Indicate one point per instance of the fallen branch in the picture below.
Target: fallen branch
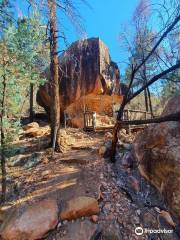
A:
(167, 118)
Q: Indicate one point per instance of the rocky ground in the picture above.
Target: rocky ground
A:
(83, 174)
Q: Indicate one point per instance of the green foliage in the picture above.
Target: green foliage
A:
(6, 15)
(22, 50)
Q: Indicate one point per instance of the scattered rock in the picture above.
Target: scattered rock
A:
(94, 218)
(31, 223)
(79, 230)
(79, 207)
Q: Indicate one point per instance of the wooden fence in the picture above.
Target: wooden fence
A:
(128, 114)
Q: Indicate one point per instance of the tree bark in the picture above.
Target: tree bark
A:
(31, 103)
(150, 102)
(55, 106)
(146, 100)
(3, 158)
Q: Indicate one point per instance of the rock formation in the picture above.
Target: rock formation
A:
(30, 223)
(158, 152)
(85, 69)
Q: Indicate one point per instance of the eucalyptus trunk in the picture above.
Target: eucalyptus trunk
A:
(54, 68)
(3, 158)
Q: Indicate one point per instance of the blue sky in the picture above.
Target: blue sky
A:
(104, 19)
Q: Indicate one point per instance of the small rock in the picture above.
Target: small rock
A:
(45, 173)
(138, 212)
(59, 225)
(94, 218)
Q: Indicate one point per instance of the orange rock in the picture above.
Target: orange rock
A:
(30, 125)
(79, 207)
(30, 223)
(37, 132)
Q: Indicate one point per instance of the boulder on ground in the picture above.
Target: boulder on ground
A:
(30, 223)
(79, 207)
(157, 150)
(86, 69)
(37, 131)
(30, 125)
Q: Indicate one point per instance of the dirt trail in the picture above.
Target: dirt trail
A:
(82, 172)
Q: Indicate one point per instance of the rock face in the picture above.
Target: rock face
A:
(158, 152)
(79, 207)
(31, 223)
(86, 69)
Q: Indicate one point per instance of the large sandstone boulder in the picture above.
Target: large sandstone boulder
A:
(30, 223)
(158, 152)
(86, 68)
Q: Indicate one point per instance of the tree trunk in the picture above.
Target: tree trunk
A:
(3, 159)
(146, 100)
(55, 106)
(150, 102)
(31, 103)
(114, 141)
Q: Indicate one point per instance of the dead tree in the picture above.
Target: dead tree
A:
(2, 127)
(134, 70)
(54, 69)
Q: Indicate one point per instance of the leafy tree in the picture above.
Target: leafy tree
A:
(20, 48)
